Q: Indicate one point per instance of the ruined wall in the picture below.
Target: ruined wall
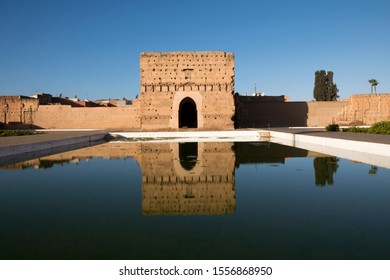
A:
(205, 77)
(64, 116)
(365, 109)
(24, 112)
(17, 111)
(259, 112)
(255, 112)
(322, 113)
(359, 109)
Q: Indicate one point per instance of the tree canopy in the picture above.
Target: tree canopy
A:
(373, 83)
(324, 169)
(324, 88)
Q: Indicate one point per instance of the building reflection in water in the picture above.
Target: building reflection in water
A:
(189, 178)
(177, 178)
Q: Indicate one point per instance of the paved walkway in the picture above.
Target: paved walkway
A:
(7, 142)
(373, 138)
(39, 138)
(15, 145)
(52, 136)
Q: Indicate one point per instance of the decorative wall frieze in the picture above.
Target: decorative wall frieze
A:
(188, 86)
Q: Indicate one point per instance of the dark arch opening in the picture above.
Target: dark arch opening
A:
(188, 155)
(188, 116)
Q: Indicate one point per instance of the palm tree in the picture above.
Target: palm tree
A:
(373, 83)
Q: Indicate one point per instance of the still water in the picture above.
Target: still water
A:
(193, 201)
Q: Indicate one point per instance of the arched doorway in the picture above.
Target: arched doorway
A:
(188, 116)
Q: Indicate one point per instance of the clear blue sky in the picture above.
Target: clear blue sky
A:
(91, 48)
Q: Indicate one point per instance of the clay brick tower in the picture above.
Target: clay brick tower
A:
(187, 90)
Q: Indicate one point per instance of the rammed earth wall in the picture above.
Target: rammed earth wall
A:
(359, 109)
(17, 111)
(193, 90)
(63, 116)
(205, 79)
(365, 109)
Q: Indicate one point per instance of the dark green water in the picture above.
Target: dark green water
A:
(261, 201)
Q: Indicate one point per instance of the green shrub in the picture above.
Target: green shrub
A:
(6, 133)
(332, 127)
(380, 128)
(356, 129)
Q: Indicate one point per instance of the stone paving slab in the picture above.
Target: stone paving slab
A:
(50, 136)
(22, 141)
(373, 138)
(190, 136)
(14, 145)
(371, 149)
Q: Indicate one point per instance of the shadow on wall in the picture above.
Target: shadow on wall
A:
(252, 111)
(18, 125)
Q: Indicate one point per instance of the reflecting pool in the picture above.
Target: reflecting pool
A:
(193, 201)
